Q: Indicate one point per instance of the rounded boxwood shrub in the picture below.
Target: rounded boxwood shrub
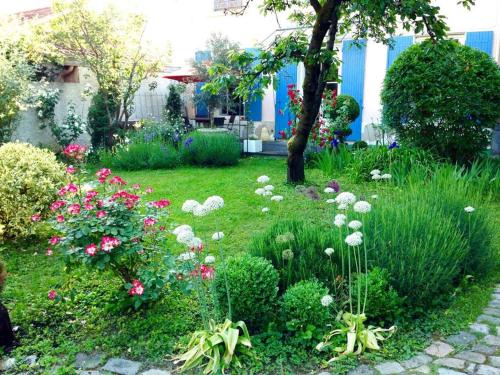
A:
(30, 177)
(348, 101)
(253, 287)
(443, 97)
(210, 149)
(301, 306)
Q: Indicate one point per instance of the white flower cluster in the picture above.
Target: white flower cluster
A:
(354, 239)
(212, 203)
(329, 190)
(218, 236)
(469, 209)
(329, 251)
(326, 300)
(362, 207)
(266, 191)
(339, 220)
(185, 235)
(377, 175)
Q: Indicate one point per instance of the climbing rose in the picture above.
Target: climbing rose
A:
(70, 169)
(100, 214)
(102, 174)
(137, 288)
(149, 221)
(91, 249)
(109, 243)
(52, 295)
(36, 217)
(60, 218)
(117, 180)
(74, 209)
(149, 190)
(162, 203)
(54, 240)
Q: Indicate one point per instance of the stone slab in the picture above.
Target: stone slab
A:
(390, 367)
(122, 366)
(416, 361)
(458, 364)
(492, 311)
(163, 372)
(88, 361)
(461, 338)
(487, 370)
(488, 319)
(492, 340)
(480, 328)
(494, 361)
(485, 349)
(447, 371)
(471, 356)
(439, 349)
(423, 369)
(362, 370)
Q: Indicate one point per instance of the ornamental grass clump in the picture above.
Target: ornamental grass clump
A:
(215, 149)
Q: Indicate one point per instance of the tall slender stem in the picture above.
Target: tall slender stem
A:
(366, 265)
(224, 271)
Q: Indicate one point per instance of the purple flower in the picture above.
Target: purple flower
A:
(188, 142)
(393, 145)
(335, 143)
(334, 185)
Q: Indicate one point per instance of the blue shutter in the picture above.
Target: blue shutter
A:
(399, 44)
(482, 40)
(286, 76)
(254, 106)
(353, 79)
(201, 108)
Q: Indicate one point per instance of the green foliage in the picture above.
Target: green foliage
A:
(420, 86)
(252, 283)
(173, 107)
(305, 241)
(383, 302)
(220, 344)
(358, 145)
(141, 155)
(301, 308)
(210, 149)
(332, 161)
(3, 274)
(71, 128)
(98, 126)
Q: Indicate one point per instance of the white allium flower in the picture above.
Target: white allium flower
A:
(267, 193)
(200, 210)
(260, 191)
(355, 224)
(182, 228)
(186, 256)
(263, 179)
(277, 198)
(358, 233)
(265, 209)
(185, 237)
(330, 201)
(376, 177)
(469, 209)
(329, 190)
(326, 300)
(209, 259)
(189, 205)
(217, 236)
(269, 187)
(214, 203)
(346, 198)
(196, 242)
(362, 207)
(339, 223)
(354, 240)
(374, 196)
(374, 172)
(329, 251)
(343, 206)
(386, 176)
(340, 217)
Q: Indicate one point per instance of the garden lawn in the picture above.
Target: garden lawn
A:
(88, 319)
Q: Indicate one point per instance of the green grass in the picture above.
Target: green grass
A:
(88, 322)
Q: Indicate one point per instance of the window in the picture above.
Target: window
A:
(227, 4)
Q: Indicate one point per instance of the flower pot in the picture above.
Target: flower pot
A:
(252, 145)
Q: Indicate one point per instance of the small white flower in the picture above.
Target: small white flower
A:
(329, 190)
(269, 188)
(353, 240)
(263, 179)
(362, 207)
(343, 206)
(355, 224)
(260, 191)
(469, 209)
(339, 223)
(209, 259)
(358, 233)
(265, 209)
(340, 217)
(186, 256)
(217, 236)
(374, 196)
(330, 201)
(267, 193)
(346, 198)
(326, 300)
(200, 210)
(329, 251)
(185, 237)
(196, 242)
(214, 203)
(376, 177)
(374, 172)
(386, 176)
(182, 228)
(277, 198)
(189, 205)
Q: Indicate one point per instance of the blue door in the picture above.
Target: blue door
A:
(285, 77)
(254, 106)
(399, 44)
(201, 108)
(482, 40)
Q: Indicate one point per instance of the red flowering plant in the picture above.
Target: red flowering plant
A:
(295, 107)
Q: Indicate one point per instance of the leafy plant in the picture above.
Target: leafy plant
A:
(217, 348)
(71, 128)
(98, 125)
(215, 149)
(422, 116)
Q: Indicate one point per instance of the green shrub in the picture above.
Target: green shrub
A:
(3, 275)
(98, 126)
(332, 161)
(210, 149)
(358, 145)
(141, 155)
(302, 306)
(253, 285)
(347, 101)
(30, 177)
(443, 97)
(296, 249)
(383, 303)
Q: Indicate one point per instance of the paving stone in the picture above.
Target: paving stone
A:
(447, 371)
(479, 328)
(362, 370)
(455, 363)
(31, 360)
(472, 356)
(498, 331)
(7, 364)
(122, 366)
(492, 311)
(461, 338)
(492, 340)
(488, 319)
(487, 370)
(485, 349)
(417, 361)
(390, 367)
(471, 369)
(88, 361)
(321, 373)
(495, 361)
(88, 372)
(439, 349)
(163, 372)
(423, 369)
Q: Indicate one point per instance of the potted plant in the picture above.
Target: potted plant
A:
(252, 144)
(6, 333)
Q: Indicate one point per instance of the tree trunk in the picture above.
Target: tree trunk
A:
(295, 163)
(6, 335)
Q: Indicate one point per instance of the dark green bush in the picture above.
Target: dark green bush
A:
(98, 126)
(210, 149)
(301, 306)
(347, 101)
(296, 249)
(443, 97)
(253, 287)
(141, 155)
(3, 275)
(383, 303)
(358, 145)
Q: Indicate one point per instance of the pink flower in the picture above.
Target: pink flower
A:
(136, 186)
(207, 272)
(149, 221)
(49, 252)
(117, 180)
(70, 169)
(91, 194)
(108, 243)
(57, 205)
(52, 295)
(162, 203)
(102, 174)
(74, 209)
(149, 190)
(91, 249)
(100, 214)
(137, 288)
(36, 217)
(71, 188)
(88, 206)
(75, 151)
(60, 218)
(54, 240)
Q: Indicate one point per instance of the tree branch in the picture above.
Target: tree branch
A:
(316, 5)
